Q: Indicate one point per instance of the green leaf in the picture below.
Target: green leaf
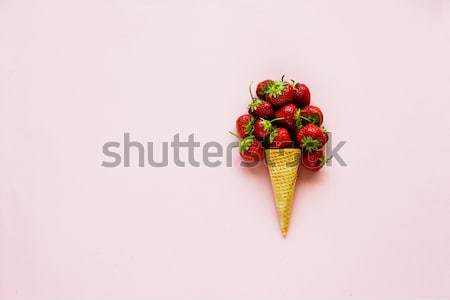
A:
(254, 104)
(322, 161)
(314, 119)
(273, 134)
(275, 88)
(310, 145)
(265, 88)
(267, 124)
(245, 143)
(249, 126)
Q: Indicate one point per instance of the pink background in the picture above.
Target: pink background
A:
(76, 74)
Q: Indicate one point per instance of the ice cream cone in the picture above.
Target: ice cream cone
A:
(283, 166)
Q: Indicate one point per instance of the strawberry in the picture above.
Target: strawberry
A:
(311, 138)
(279, 93)
(313, 114)
(260, 108)
(286, 114)
(262, 128)
(313, 161)
(261, 88)
(251, 149)
(244, 125)
(302, 96)
(280, 138)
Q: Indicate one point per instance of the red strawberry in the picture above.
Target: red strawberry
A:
(313, 161)
(280, 138)
(244, 125)
(313, 114)
(251, 149)
(311, 138)
(261, 88)
(286, 114)
(279, 93)
(260, 108)
(262, 128)
(302, 96)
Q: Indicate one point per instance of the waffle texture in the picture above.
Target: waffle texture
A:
(283, 167)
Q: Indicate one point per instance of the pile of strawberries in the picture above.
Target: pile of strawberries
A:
(281, 117)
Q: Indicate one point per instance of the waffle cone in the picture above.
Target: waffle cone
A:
(283, 166)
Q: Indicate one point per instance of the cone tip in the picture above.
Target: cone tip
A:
(284, 233)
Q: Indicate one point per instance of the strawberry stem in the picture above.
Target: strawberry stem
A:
(282, 78)
(234, 134)
(250, 89)
(276, 119)
(293, 83)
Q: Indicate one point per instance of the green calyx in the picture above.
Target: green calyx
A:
(245, 143)
(252, 107)
(264, 89)
(313, 118)
(249, 126)
(267, 124)
(275, 89)
(310, 145)
(323, 160)
(300, 120)
(273, 134)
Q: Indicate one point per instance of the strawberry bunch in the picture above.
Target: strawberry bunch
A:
(280, 116)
